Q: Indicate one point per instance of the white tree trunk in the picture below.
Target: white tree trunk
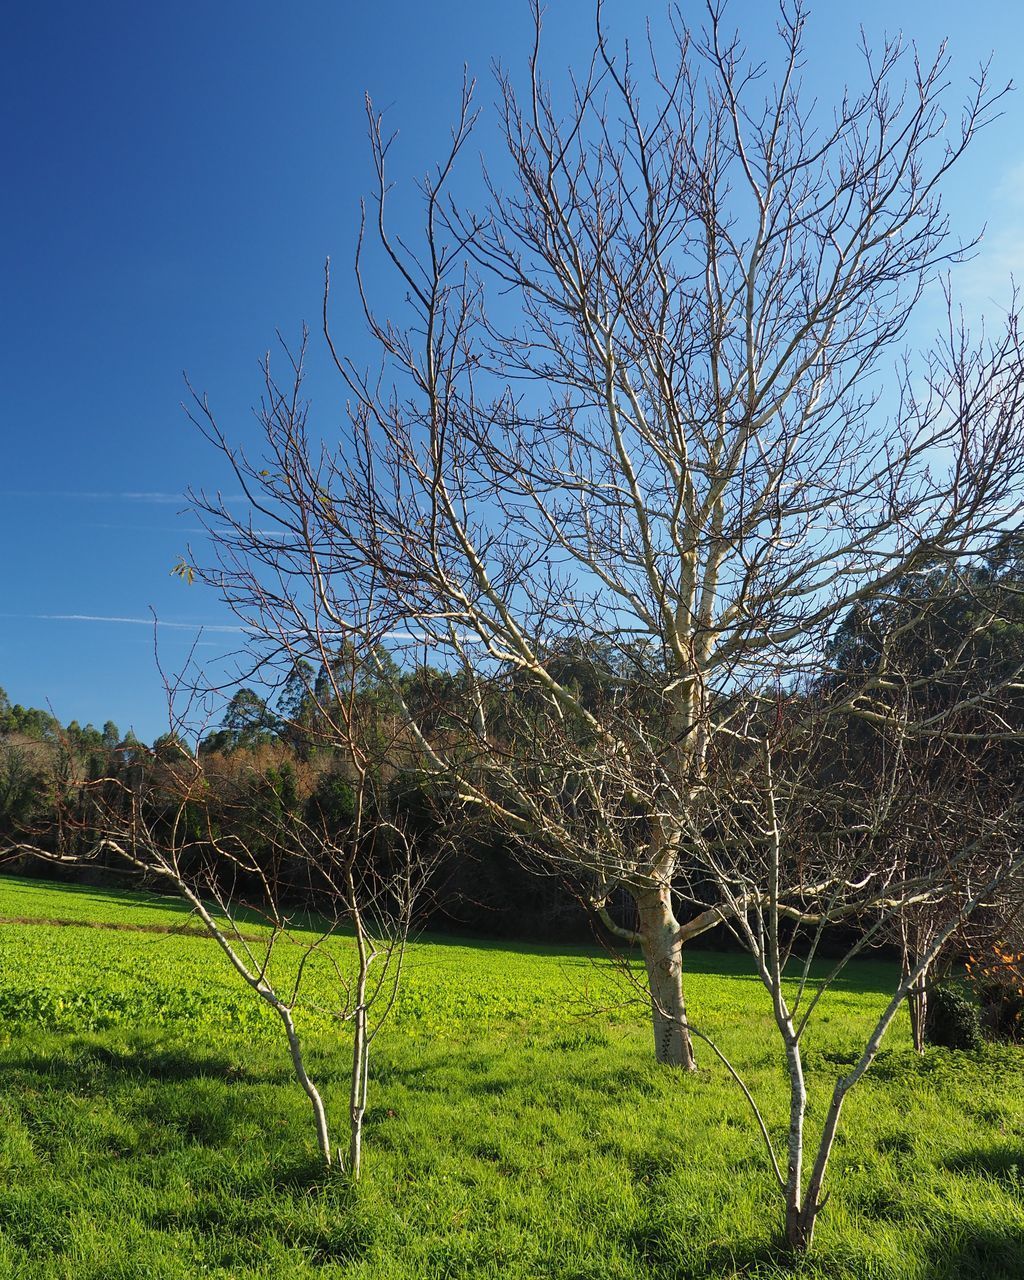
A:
(312, 1093)
(798, 1228)
(357, 1094)
(663, 956)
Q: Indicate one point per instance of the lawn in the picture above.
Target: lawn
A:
(518, 1126)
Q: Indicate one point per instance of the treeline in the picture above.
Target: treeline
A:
(268, 765)
(275, 763)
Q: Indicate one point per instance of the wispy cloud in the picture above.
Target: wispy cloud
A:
(93, 495)
(96, 495)
(984, 282)
(217, 627)
(143, 528)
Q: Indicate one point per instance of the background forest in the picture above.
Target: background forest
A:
(274, 756)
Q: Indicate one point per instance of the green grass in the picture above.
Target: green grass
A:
(518, 1127)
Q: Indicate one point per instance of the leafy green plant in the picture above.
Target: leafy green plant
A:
(953, 1019)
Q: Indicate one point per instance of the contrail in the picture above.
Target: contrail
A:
(213, 627)
(130, 496)
(135, 622)
(98, 496)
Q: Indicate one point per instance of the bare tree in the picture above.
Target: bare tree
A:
(353, 940)
(945, 649)
(644, 403)
(311, 908)
(792, 864)
(929, 831)
(278, 959)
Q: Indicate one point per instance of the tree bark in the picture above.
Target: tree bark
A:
(360, 1041)
(358, 1089)
(800, 1225)
(797, 1229)
(663, 956)
(917, 1001)
(323, 1139)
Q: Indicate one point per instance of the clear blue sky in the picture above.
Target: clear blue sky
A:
(174, 176)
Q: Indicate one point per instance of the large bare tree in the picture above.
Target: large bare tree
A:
(642, 412)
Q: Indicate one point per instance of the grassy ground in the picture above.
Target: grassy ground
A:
(149, 1125)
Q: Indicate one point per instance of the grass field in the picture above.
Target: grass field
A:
(518, 1126)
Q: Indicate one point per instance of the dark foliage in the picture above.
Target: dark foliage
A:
(953, 1019)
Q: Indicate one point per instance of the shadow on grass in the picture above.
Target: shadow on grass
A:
(963, 1251)
(303, 1208)
(306, 1174)
(664, 1255)
(1003, 1164)
(494, 1075)
(82, 1064)
(976, 1251)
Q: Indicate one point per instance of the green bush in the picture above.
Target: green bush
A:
(953, 1021)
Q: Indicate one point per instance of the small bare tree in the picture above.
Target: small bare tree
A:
(945, 649)
(642, 403)
(793, 865)
(312, 909)
(362, 885)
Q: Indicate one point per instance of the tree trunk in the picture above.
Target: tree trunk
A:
(917, 1001)
(360, 1039)
(663, 956)
(800, 1228)
(798, 1231)
(323, 1139)
(358, 1089)
(800, 1225)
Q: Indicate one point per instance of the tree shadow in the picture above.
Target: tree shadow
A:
(989, 1250)
(658, 1247)
(306, 1174)
(976, 1251)
(84, 1065)
(166, 1098)
(287, 1206)
(1003, 1164)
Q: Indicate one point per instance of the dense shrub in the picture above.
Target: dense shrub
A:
(953, 1021)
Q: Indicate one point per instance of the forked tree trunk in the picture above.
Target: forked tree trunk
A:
(917, 996)
(800, 1223)
(663, 956)
(917, 1002)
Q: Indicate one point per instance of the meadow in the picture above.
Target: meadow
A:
(518, 1125)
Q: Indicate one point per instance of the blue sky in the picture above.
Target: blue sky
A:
(174, 178)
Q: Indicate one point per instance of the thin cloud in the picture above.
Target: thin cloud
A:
(220, 628)
(214, 628)
(985, 281)
(92, 495)
(144, 528)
